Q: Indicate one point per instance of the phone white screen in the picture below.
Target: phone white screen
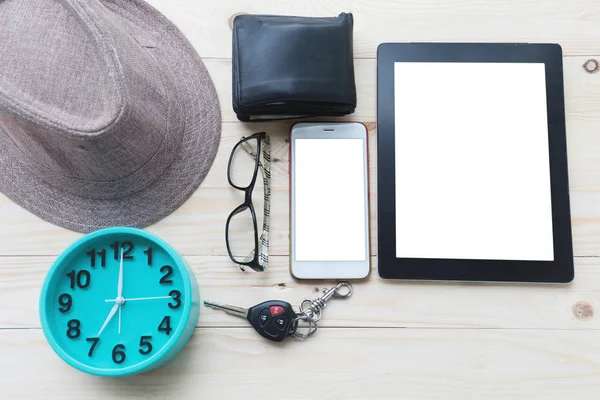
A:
(472, 161)
(329, 194)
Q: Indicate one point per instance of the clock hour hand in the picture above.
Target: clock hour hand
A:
(111, 314)
(119, 301)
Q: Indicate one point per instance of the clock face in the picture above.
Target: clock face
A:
(117, 302)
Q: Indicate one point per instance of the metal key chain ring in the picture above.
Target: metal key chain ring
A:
(313, 309)
(312, 327)
(342, 290)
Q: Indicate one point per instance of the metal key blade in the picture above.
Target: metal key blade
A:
(231, 310)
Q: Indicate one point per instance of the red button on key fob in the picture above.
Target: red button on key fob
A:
(279, 321)
(276, 310)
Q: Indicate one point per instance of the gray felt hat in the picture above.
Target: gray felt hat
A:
(107, 114)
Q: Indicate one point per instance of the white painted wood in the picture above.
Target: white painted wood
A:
(197, 227)
(375, 302)
(582, 89)
(363, 364)
(573, 24)
(391, 340)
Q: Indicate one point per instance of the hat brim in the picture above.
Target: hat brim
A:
(199, 145)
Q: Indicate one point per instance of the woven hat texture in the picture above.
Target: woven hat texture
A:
(107, 114)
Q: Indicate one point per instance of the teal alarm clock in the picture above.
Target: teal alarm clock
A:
(119, 301)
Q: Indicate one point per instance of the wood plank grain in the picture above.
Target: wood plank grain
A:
(197, 228)
(375, 302)
(582, 89)
(572, 24)
(462, 341)
(340, 364)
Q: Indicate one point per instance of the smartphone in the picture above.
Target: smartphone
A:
(329, 201)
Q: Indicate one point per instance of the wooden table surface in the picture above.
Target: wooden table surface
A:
(391, 340)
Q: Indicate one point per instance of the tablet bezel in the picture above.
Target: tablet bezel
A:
(561, 270)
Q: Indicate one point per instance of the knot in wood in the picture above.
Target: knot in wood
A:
(591, 66)
(583, 311)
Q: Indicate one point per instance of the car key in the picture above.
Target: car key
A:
(273, 319)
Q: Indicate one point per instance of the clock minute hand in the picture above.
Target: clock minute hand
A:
(120, 283)
(119, 300)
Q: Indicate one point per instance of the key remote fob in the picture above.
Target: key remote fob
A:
(272, 319)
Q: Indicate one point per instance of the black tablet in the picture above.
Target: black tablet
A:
(472, 164)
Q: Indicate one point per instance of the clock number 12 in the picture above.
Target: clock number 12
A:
(127, 249)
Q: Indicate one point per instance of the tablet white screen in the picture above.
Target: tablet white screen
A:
(329, 196)
(472, 162)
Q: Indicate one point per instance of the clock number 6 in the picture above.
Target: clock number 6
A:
(118, 355)
(176, 295)
(145, 342)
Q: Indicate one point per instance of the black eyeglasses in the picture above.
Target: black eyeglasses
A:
(241, 229)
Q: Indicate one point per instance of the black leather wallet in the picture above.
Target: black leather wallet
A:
(291, 67)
